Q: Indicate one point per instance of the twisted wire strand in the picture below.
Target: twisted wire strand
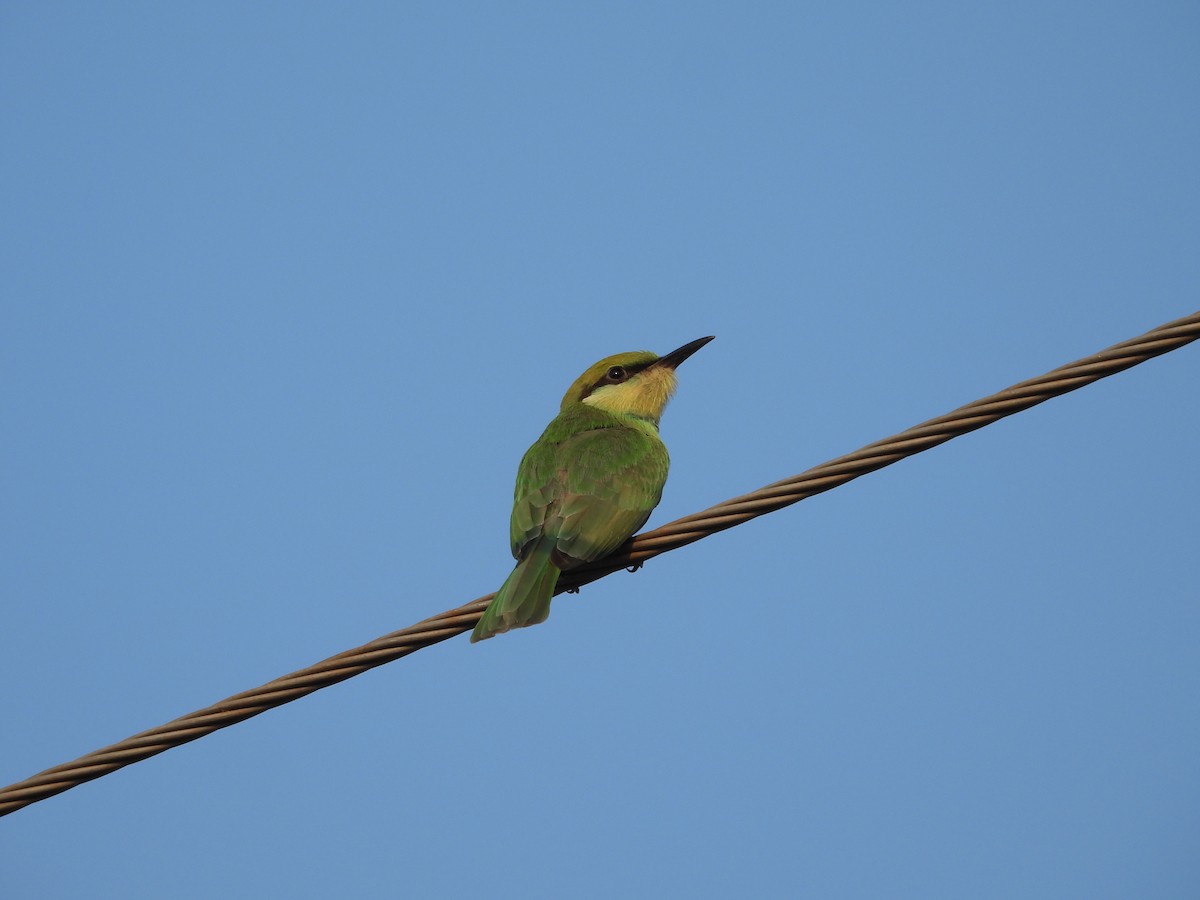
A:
(637, 550)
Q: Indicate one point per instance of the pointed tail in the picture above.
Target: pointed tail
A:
(524, 598)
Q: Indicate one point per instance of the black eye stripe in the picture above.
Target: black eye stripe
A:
(627, 372)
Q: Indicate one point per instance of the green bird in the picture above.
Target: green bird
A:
(588, 483)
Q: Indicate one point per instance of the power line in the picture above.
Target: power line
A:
(636, 551)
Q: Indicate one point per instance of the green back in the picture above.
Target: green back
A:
(590, 481)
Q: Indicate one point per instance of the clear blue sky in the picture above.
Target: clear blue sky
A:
(289, 288)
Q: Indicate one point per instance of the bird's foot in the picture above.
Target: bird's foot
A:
(573, 590)
(634, 567)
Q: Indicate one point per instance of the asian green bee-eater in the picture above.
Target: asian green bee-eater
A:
(588, 483)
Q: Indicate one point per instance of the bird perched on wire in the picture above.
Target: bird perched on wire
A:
(588, 483)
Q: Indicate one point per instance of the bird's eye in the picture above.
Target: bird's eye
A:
(616, 373)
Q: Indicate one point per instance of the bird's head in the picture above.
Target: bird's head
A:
(631, 384)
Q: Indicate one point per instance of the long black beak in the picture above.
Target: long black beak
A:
(675, 357)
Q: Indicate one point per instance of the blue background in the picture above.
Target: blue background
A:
(289, 288)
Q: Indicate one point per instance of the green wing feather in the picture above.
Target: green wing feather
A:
(585, 486)
(590, 482)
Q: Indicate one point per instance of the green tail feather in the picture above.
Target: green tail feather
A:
(524, 598)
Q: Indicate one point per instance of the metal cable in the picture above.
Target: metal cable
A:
(636, 551)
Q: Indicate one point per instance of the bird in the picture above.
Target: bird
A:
(588, 483)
